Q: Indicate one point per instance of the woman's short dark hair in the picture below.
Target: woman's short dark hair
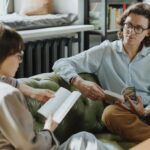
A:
(142, 9)
(10, 42)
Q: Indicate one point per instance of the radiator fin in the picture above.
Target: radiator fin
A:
(39, 56)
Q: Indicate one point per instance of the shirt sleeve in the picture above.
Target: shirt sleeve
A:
(88, 61)
(11, 81)
(17, 121)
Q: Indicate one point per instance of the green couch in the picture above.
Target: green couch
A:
(84, 116)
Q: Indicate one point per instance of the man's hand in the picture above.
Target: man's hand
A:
(135, 107)
(89, 89)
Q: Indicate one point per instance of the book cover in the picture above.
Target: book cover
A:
(60, 105)
(112, 97)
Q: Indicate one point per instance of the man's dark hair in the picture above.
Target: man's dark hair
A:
(142, 9)
(10, 42)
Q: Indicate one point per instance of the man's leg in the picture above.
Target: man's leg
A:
(83, 141)
(126, 124)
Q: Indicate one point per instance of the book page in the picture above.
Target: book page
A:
(54, 103)
(111, 97)
(66, 106)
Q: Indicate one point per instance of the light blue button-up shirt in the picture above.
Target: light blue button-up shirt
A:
(112, 66)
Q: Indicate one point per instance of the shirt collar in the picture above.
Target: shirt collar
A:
(145, 51)
(120, 49)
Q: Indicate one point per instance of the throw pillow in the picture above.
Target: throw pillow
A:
(36, 7)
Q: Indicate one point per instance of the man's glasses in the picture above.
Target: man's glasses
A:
(20, 56)
(137, 29)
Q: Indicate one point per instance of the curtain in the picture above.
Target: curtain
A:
(3, 7)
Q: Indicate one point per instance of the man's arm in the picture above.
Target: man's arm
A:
(88, 89)
(88, 61)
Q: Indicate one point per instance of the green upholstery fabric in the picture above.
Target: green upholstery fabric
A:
(84, 116)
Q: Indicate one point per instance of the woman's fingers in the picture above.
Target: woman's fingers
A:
(43, 94)
(49, 93)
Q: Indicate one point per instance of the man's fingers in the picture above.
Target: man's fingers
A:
(98, 92)
(119, 102)
(129, 100)
(121, 105)
(139, 99)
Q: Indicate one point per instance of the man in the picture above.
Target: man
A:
(118, 64)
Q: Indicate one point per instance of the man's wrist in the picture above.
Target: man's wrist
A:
(72, 79)
(77, 82)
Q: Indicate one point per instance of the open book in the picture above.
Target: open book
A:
(60, 105)
(130, 91)
(112, 97)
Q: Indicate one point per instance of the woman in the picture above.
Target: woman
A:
(11, 47)
(16, 122)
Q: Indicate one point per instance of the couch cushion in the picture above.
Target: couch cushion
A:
(85, 114)
(36, 7)
(114, 142)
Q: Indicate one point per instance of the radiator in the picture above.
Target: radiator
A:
(39, 56)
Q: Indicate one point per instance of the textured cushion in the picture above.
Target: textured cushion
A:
(36, 7)
(84, 116)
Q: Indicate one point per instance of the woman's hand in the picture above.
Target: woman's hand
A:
(89, 89)
(41, 94)
(135, 107)
(50, 124)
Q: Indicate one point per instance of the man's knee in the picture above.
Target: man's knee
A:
(109, 112)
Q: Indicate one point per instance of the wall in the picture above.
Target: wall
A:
(70, 6)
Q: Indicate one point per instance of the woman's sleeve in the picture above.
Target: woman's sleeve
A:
(11, 81)
(17, 123)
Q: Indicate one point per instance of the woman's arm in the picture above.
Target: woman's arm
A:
(16, 121)
(39, 94)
